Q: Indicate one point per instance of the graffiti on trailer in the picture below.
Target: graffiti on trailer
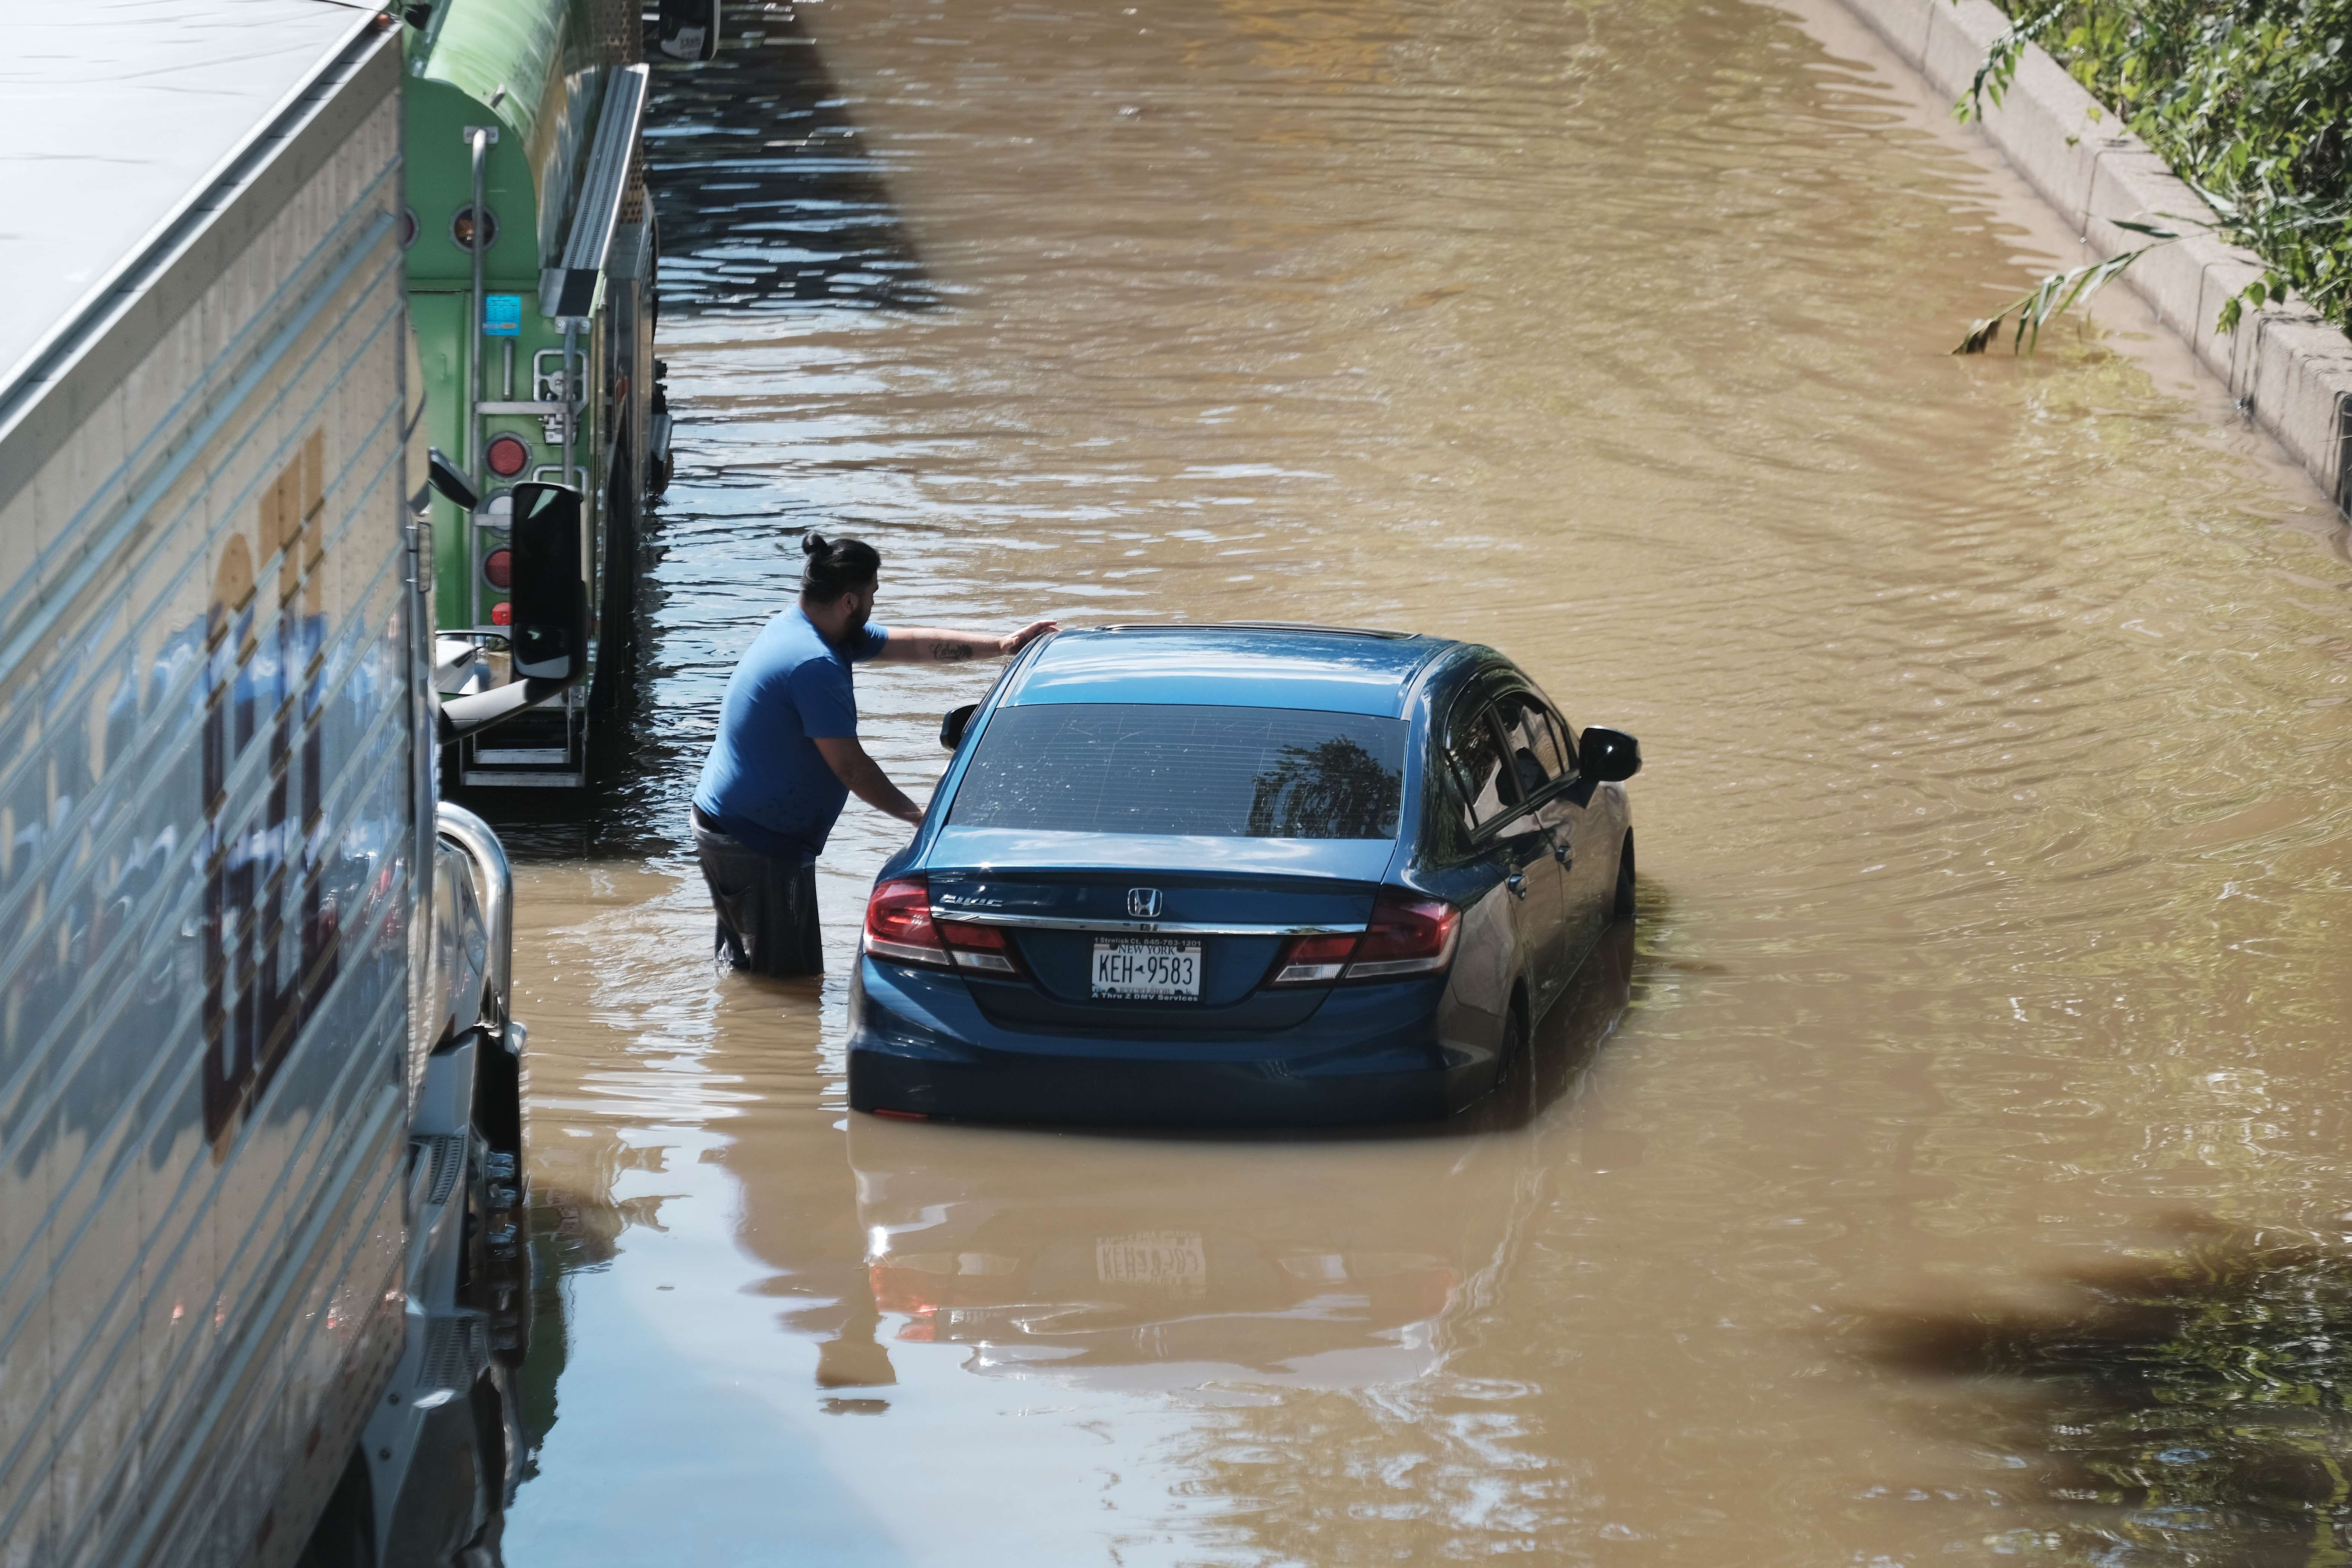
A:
(271, 937)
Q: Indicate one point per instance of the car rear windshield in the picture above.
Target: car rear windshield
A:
(1224, 773)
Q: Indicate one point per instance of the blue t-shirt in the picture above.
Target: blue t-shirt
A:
(765, 784)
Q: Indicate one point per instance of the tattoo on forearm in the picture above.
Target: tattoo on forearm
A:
(948, 652)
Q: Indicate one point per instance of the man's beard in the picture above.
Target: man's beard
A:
(855, 627)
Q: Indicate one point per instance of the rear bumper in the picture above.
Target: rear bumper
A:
(919, 1043)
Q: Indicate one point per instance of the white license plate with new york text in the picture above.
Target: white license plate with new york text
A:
(1133, 971)
(1163, 1259)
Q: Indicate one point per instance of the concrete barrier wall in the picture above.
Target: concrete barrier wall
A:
(2287, 367)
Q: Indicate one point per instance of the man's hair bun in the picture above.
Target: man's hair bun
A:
(837, 566)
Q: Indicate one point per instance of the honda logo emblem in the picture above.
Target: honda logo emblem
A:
(1143, 903)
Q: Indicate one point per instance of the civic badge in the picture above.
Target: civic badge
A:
(1143, 903)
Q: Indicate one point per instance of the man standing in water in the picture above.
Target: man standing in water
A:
(787, 757)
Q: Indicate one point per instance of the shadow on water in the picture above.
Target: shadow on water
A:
(766, 198)
(2181, 1406)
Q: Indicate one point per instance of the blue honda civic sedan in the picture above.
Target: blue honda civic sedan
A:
(1234, 875)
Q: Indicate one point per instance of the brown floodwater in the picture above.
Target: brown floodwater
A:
(1994, 833)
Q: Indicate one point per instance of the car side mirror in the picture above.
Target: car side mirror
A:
(548, 593)
(953, 726)
(446, 479)
(1608, 756)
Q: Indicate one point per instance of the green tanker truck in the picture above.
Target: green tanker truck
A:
(530, 251)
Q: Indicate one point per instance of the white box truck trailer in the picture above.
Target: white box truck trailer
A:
(259, 1093)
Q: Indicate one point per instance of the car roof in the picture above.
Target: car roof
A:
(1240, 664)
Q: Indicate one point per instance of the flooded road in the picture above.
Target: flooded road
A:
(1992, 835)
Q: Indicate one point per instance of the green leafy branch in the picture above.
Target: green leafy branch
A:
(2290, 233)
(2000, 61)
(2280, 226)
(2248, 101)
(2057, 294)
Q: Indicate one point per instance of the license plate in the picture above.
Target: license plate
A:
(1147, 971)
(1161, 1259)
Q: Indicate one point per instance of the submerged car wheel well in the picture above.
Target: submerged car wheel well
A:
(1518, 1024)
(1515, 1049)
(1624, 905)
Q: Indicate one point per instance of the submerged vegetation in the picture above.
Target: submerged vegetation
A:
(2182, 1408)
(2250, 101)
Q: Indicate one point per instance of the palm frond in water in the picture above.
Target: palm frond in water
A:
(2053, 297)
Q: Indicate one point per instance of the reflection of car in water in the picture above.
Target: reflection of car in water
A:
(1232, 874)
(1330, 1261)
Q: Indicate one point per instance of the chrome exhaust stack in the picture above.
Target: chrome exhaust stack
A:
(494, 885)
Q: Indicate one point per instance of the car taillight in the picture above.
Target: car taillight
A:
(1406, 936)
(978, 947)
(898, 924)
(1310, 959)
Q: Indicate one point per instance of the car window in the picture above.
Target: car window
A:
(1534, 751)
(1567, 736)
(1450, 826)
(1487, 785)
(1169, 768)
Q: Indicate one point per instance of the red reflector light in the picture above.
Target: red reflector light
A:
(903, 1115)
(1323, 949)
(898, 924)
(498, 569)
(982, 948)
(1406, 936)
(964, 934)
(507, 456)
(1307, 960)
(501, 614)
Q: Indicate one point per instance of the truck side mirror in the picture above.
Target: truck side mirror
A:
(688, 29)
(952, 728)
(550, 588)
(451, 483)
(1608, 756)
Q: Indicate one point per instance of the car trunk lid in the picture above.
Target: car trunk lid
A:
(1230, 912)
